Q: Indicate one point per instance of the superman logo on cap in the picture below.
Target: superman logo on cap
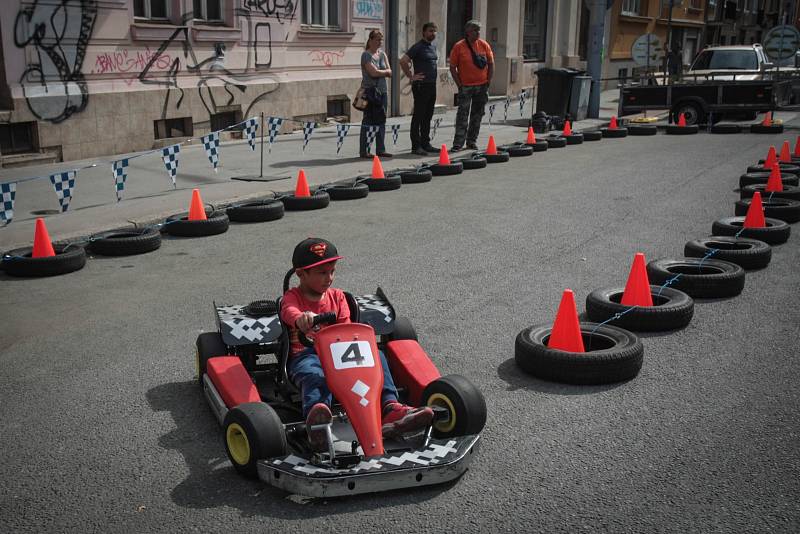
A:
(319, 249)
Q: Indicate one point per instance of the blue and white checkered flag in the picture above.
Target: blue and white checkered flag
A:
(491, 112)
(250, 129)
(308, 129)
(436, 122)
(505, 108)
(170, 157)
(521, 103)
(371, 132)
(64, 183)
(395, 133)
(119, 169)
(211, 144)
(7, 194)
(341, 133)
(273, 124)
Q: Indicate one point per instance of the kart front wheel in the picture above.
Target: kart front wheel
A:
(209, 345)
(253, 431)
(464, 402)
(403, 329)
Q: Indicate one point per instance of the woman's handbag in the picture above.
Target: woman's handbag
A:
(360, 101)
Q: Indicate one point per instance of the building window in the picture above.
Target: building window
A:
(151, 9)
(338, 107)
(632, 7)
(18, 137)
(534, 36)
(208, 10)
(323, 13)
(225, 119)
(180, 127)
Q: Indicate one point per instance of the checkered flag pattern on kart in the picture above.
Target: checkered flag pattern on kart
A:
(341, 133)
(7, 194)
(376, 303)
(371, 132)
(273, 125)
(63, 183)
(308, 129)
(436, 122)
(240, 326)
(170, 156)
(505, 108)
(119, 169)
(395, 133)
(491, 112)
(250, 129)
(211, 144)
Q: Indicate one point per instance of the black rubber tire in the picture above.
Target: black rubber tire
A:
(693, 113)
(539, 146)
(556, 142)
(792, 192)
(699, 278)
(455, 167)
(125, 242)
(783, 209)
(500, 157)
(403, 329)
(724, 128)
(179, 225)
(642, 129)
(208, 345)
(348, 192)
(68, 258)
(761, 129)
(516, 151)
(775, 233)
(420, 176)
(673, 309)
(744, 252)
(620, 357)
(458, 395)
(762, 177)
(319, 200)
(785, 168)
(574, 139)
(616, 133)
(263, 432)
(474, 163)
(592, 135)
(674, 129)
(256, 211)
(261, 308)
(390, 183)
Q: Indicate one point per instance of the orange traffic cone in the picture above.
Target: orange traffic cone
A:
(566, 332)
(444, 157)
(196, 210)
(786, 155)
(681, 120)
(377, 168)
(637, 288)
(767, 119)
(797, 147)
(531, 140)
(755, 213)
(774, 182)
(613, 124)
(772, 159)
(301, 189)
(491, 148)
(42, 246)
(567, 128)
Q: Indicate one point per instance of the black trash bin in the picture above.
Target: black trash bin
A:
(554, 88)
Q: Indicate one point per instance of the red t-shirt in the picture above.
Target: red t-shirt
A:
(461, 57)
(294, 304)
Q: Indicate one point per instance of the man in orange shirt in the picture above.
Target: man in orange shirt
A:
(472, 68)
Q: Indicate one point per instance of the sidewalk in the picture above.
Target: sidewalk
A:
(149, 196)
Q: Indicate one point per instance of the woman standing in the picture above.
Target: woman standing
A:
(374, 71)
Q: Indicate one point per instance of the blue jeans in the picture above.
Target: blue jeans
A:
(305, 370)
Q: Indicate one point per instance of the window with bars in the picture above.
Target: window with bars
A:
(631, 7)
(151, 9)
(208, 10)
(534, 30)
(322, 13)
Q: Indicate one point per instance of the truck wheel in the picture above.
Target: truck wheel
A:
(208, 345)
(462, 400)
(253, 431)
(692, 112)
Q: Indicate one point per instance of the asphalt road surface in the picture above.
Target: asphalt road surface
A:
(104, 428)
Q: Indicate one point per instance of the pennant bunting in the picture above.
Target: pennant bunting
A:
(491, 112)
(521, 103)
(308, 129)
(274, 124)
(250, 128)
(395, 133)
(63, 183)
(119, 169)
(505, 108)
(371, 132)
(436, 122)
(341, 133)
(7, 194)
(170, 157)
(211, 144)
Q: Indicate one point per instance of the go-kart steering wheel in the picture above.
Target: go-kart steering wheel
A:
(327, 317)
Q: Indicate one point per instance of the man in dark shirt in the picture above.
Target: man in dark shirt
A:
(423, 86)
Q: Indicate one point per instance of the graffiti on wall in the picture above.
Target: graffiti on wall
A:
(59, 33)
(368, 9)
(328, 58)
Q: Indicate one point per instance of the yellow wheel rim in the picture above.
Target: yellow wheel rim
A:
(438, 399)
(238, 445)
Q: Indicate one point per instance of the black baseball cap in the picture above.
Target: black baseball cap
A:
(312, 252)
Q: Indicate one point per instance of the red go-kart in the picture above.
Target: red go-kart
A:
(242, 370)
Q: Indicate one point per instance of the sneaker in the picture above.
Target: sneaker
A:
(456, 148)
(431, 149)
(472, 146)
(420, 152)
(385, 154)
(319, 414)
(401, 419)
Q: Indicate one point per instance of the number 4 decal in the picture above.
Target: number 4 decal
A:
(349, 354)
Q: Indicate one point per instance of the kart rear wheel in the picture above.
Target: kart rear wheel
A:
(463, 401)
(208, 345)
(403, 329)
(253, 431)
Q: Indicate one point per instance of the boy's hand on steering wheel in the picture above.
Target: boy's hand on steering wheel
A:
(305, 321)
